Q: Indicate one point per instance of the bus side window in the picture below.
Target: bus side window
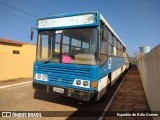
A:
(104, 46)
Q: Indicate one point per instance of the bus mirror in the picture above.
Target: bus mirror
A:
(32, 33)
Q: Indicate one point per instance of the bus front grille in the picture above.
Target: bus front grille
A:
(61, 75)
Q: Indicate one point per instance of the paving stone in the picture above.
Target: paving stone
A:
(140, 106)
(128, 104)
(130, 97)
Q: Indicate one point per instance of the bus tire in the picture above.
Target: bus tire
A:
(36, 94)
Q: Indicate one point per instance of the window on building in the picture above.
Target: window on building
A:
(16, 52)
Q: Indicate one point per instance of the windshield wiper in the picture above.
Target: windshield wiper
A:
(48, 60)
(54, 56)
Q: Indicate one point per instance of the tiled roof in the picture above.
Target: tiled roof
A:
(2, 40)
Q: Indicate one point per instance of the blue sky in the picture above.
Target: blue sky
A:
(137, 22)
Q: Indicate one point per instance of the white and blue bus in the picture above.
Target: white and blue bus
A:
(78, 55)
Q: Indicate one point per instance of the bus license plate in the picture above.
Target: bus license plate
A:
(59, 90)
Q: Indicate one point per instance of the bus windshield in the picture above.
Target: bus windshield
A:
(76, 46)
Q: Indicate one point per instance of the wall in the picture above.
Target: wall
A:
(149, 67)
(14, 66)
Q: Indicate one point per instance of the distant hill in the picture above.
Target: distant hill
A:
(132, 60)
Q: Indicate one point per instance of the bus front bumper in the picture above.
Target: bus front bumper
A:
(69, 92)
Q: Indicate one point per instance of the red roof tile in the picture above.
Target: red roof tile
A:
(2, 40)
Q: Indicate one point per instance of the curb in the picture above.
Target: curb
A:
(13, 85)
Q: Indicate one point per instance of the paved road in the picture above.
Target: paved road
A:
(20, 98)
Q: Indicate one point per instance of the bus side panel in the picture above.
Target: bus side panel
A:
(116, 62)
(113, 65)
(102, 87)
(116, 74)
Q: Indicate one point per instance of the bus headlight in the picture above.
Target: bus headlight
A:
(78, 82)
(38, 76)
(41, 77)
(81, 83)
(85, 83)
(44, 77)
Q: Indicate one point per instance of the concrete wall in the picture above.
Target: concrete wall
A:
(149, 67)
(14, 66)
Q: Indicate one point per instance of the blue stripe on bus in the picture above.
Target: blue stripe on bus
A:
(116, 63)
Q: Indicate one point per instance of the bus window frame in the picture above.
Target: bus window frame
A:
(115, 42)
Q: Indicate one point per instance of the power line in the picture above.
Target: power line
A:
(15, 15)
(19, 10)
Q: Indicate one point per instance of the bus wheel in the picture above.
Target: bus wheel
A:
(36, 94)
